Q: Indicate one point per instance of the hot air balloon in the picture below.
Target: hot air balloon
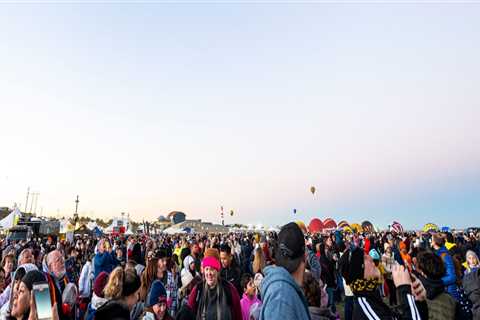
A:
(356, 228)
(231, 212)
(312, 189)
(396, 227)
(294, 211)
(302, 226)
(342, 224)
(315, 226)
(367, 226)
(430, 227)
(329, 223)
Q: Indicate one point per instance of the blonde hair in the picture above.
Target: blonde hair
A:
(114, 287)
(258, 261)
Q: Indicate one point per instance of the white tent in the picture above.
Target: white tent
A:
(9, 221)
(173, 230)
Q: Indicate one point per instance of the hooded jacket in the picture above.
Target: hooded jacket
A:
(450, 277)
(441, 306)
(471, 285)
(103, 262)
(246, 303)
(282, 297)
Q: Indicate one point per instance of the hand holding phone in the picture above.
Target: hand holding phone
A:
(41, 301)
(401, 276)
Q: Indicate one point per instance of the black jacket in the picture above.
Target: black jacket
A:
(471, 285)
(371, 307)
(232, 274)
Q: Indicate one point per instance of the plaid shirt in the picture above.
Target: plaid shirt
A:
(172, 293)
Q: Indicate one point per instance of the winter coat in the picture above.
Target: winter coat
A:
(471, 285)
(450, 277)
(246, 303)
(104, 262)
(441, 306)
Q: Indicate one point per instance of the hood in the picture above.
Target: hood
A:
(433, 287)
(97, 302)
(187, 261)
(282, 277)
(449, 245)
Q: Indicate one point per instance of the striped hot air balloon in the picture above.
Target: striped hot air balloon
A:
(343, 224)
(396, 227)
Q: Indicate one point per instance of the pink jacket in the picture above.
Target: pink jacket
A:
(246, 303)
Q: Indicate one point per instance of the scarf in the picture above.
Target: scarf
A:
(364, 286)
(223, 310)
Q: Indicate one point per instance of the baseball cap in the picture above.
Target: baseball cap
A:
(290, 247)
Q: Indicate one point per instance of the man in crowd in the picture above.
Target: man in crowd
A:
(230, 271)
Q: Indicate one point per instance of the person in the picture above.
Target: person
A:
(26, 256)
(214, 298)
(71, 265)
(8, 263)
(122, 291)
(189, 266)
(148, 276)
(23, 306)
(249, 295)
(258, 263)
(169, 279)
(156, 304)
(388, 262)
(450, 277)
(363, 276)
(103, 260)
(98, 298)
(196, 254)
(328, 274)
(472, 263)
(317, 298)
(406, 258)
(471, 285)
(230, 271)
(86, 279)
(430, 270)
(281, 291)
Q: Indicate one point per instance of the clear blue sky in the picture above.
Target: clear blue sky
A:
(148, 108)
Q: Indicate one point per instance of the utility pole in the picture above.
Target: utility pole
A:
(76, 205)
(26, 202)
(31, 203)
(36, 202)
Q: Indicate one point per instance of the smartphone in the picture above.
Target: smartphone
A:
(41, 294)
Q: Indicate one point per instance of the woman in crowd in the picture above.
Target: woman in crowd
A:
(123, 292)
(156, 304)
(149, 275)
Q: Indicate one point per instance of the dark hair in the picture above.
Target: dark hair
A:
(246, 277)
(312, 291)
(449, 237)
(225, 248)
(438, 240)
(431, 265)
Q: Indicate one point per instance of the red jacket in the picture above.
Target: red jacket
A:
(233, 299)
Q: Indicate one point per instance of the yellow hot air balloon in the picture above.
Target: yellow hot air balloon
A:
(312, 189)
(231, 212)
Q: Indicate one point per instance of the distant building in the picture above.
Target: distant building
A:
(199, 226)
(176, 217)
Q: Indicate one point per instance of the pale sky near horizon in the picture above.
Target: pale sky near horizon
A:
(149, 108)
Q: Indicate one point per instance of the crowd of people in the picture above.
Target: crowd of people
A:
(243, 276)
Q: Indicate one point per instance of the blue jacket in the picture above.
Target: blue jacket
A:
(104, 262)
(281, 296)
(450, 278)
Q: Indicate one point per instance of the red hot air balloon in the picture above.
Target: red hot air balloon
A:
(329, 223)
(315, 226)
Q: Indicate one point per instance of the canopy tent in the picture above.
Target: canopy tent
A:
(11, 220)
(83, 231)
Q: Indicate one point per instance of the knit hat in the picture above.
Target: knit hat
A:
(374, 254)
(211, 262)
(32, 277)
(187, 277)
(212, 252)
(100, 283)
(156, 294)
(352, 265)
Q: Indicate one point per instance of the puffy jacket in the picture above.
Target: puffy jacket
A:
(450, 277)
(103, 262)
(441, 306)
(471, 285)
